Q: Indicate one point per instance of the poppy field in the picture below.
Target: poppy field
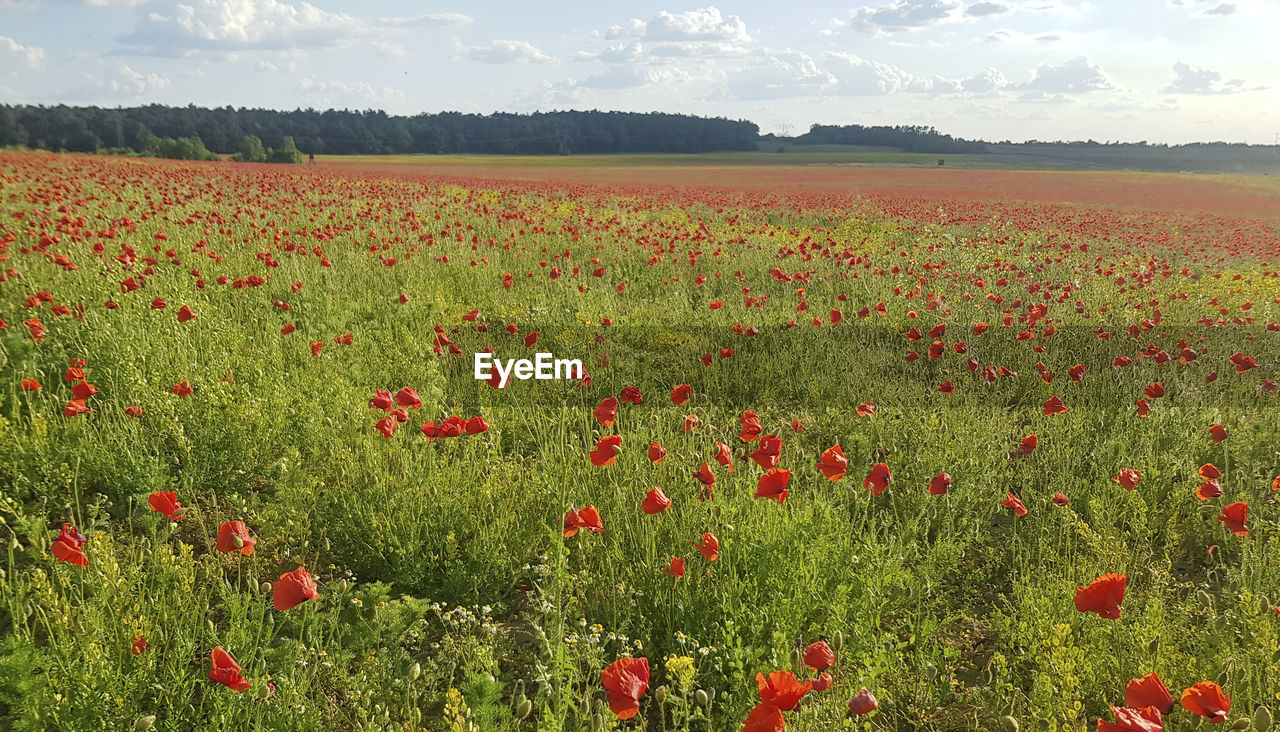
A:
(851, 449)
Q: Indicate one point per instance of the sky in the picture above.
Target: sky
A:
(1168, 71)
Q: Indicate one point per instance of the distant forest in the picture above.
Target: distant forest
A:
(917, 139)
(224, 130)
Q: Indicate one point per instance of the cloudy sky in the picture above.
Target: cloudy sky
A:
(1156, 70)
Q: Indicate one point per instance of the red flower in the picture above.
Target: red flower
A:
(31, 385)
(288, 328)
(1234, 515)
(1242, 362)
(225, 670)
(656, 453)
(862, 703)
(1060, 500)
(1103, 596)
(74, 408)
(185, 313)
(1154, 390)
(878, 479)
(710, 546)
(233, 536)
(796, 426)
(1209, 489)
(166, 502)
(139, 646)
(676, 569)
(408, 398)
(631, 395)
(1207, 700)
(773, 484)
(1217, 433)
(690, 423)
(723, 456)
(587, 518)
(316, 346)
(606, 412)
(940, 484)
(293, 589)
(531, 339)
(626, 680)
(387, 425)
(823, 682)
(66, 547)
(946, 387)
(764, 717)
(1128, 719)
(381, 400)
(750, 422)
(1148, 691)
(768, 453)
(818, 656)
(35, 327)
(1055, 405)
(182, 389)
(83, 391)
(680, 395)
(1209, 471)
(782, 690)
(865, 409)
(159, 304)
(607, 450)
(832, 463)
(477, 426)
(708, 480)
(1128, 478)
(1011, 501)
(655, 501)
(1028, 445)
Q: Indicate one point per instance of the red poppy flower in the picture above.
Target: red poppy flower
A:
(1103, 596)
(656, 453)
(588, 518)
(704, 475)
(1209, 489)
(1275, 484)
(74, 408)
(940, 484)
(676, 569)
(1209, 471)
(781, 689)
(947, 387)
(767, 454)
(1154, 390)
(1011, 501)
(382, 400)
(185, 313)
(607, 451)
(625, 680)
(225, 670)
(690, 422)
(796, 426)
(1128, 478)
(159, 304)
(408, 398)
(1076, 373)
(823, 682)
(724, 457)
(531, 339)
(832, 463)
(139, 646)
(1128, 719)
(31, 385)
(288, 328)
(632, 395)
(35, 328)
(1144, 408)
(1060, 500)
(166, 502)
(233, 536)
(655, 501)
(293, 589)
(453, 426)
(1148, 691)
(818, 656)
(66, 547)
(1207, 700)
(878, 479)
(680, 395)
(1234, 515)
(710, 546)
(773, 484)
(1217, 433)
(1242, 362)
(865, 409)
(764, 717)
(316, 346)
(862, 703)
(387, 426)
(1055, 405)
(1028, 445)
(606, 413)
(182, 389)
(750, 422)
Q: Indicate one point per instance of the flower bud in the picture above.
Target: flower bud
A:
(797, 658)
(837, 641)
(660, 694)
(144, 723)
(1008, 724)
(1262, 719)
(415, 671)
(523, 708)
(265, 587)
(1241, 723)
(701, 697)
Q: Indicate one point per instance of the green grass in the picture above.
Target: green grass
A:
(448, 594)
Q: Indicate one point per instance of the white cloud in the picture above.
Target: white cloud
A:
(1190, 80)
(623, 77)
(777, 75)
(342, 92)
(129, 82)
(14, 55)
(985, 82)
(1222, 9)
(984, 9)
(704, 24)
(508, 52)
(1052, 82)
(192, 27)
(900, 15)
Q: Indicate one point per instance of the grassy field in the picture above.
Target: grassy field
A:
(239, 339)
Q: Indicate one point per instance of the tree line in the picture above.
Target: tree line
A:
(907, 138)
(227, 131)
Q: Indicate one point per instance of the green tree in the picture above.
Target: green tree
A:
(287, 153)
(251, 150)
